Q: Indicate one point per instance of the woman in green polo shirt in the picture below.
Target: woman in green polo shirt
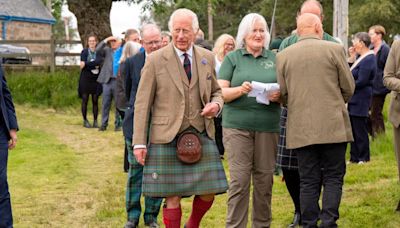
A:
(250, 129)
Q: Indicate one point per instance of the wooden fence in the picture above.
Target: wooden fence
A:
(50, 56)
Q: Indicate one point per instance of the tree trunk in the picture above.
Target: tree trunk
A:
(93, 17)
(210, 21)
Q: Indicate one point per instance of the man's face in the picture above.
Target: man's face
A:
(134, 37)
(165, 41)
(374, 36)
(115, 44)
(182, 32)
(151, 41)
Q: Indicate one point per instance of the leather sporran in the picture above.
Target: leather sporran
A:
(188, 147)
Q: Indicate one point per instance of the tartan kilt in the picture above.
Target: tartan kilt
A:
(164, 175)
(286, 158)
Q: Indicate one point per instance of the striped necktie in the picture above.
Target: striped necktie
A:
(187, 66)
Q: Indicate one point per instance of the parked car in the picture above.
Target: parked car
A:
(11, 49)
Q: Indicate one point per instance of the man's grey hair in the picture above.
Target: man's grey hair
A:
(247, 25)
(184, 11)
(148, 27)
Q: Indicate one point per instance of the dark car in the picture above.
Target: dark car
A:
(11, 49)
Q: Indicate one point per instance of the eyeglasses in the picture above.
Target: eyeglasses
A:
(151, 43)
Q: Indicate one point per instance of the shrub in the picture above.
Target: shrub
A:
(42, 89)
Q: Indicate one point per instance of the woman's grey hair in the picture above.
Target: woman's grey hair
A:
(364, 37)
(246, 26)
(130, 49)
(186, 12)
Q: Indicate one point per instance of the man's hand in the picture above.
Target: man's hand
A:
(13, 141)
(274, 96)
(210, 110)
(140, 155)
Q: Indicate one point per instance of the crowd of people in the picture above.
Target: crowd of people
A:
(183, 108)
(167, 85)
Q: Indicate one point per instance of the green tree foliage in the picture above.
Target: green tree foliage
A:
(365, 13)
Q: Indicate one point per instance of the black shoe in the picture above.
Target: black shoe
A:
(95, 125)
(152, 225)
(86, 124)
(118, 128)
(296, 220)
(398, 207)
(131, 224)
(102, 128)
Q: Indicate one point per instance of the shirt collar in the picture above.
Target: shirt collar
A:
(263, 54)
(180, 53)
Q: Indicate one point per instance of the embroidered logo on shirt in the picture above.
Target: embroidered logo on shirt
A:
(268, 64)
(154, 176)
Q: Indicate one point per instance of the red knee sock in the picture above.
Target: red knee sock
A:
(172, 217)
(200, 208)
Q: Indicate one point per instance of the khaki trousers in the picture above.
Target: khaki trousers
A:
(251, 157)
(396, 142)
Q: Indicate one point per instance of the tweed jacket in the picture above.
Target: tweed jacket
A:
(161, 91)
(107, 68)
(391, 80)
(315, 82)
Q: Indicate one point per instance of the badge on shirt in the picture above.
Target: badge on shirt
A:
(267, 64)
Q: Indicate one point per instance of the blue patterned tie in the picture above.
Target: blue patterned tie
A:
(187, 66)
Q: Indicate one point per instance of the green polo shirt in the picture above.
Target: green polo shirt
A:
(294, 38)
(244, 112)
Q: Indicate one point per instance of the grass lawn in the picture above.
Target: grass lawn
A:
(64, 175)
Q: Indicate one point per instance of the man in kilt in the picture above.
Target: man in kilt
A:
(178, 91)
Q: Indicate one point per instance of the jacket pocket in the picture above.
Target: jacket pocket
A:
(160, 120)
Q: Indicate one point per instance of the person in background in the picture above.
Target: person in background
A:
(130, 35)
(165, 38)
(88, 85)
(200, 41)
(8, 141)
(391, 80)
(275, 44)
(223, 45)
(317, 129)
(178, 92)
(250, 129)
(151, 40)
(379, 91)
(130, 49)
(364, 71)
(287, 159)
(107, 78)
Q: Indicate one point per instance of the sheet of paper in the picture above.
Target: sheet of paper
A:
(261, 90)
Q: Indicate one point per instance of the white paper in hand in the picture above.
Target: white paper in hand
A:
(261, 91)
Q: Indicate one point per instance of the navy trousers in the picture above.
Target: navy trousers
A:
(6, 220)
(360, 147)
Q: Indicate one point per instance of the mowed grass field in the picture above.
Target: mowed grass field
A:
(64, 175)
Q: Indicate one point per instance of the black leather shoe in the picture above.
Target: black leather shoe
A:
(102, 128)
(131, 224)
(152, 225)
(86, 124)
(296, 220)
(95, 125)
(398, 207)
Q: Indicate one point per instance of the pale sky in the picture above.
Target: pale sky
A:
(124, 16)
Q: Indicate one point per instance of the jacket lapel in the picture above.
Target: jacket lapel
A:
(201, 64)
(173, 65)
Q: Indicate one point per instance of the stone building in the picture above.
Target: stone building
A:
(26, 20)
